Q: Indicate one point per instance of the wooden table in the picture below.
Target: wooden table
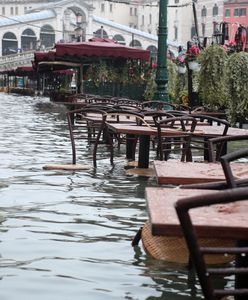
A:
(215, 221)
(144, 133)
(227, 221)
(214, 131)
(176, 172)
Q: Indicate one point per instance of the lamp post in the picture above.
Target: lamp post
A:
(162, 75)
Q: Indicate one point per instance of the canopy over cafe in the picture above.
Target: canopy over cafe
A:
(100, 66)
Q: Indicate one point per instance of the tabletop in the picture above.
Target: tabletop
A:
(214, 131)
(177, 172)
(143, 130)
(228, 221)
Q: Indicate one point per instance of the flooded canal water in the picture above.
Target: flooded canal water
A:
(67, 235)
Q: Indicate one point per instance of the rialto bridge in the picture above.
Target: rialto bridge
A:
(66, 21)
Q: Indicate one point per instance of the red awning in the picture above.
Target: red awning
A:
(44, 56)
(21, 71)
(100, 49)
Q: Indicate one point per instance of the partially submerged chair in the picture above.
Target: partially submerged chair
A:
(233, 190)
(88, 127)
(125, 117)
(222, 145)
(177, 143)
(206, 274)
(201, 143)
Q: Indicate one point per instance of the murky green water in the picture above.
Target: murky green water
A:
(67, 235)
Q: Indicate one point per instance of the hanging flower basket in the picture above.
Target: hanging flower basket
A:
(181, 69)
(191, 58)
(194, 65)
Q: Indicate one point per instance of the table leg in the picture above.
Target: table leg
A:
(144, 147)
(130, 146)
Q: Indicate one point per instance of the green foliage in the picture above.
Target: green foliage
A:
(237, 84)
(150, 85)
(121, 71)
(181, 88)
(212, 86)
(172, 75)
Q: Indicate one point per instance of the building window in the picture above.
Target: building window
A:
(131, 11)
(143, 20)
(242, 12)
(135, 11)
(176, 1)
(102, 7)
(215, 28)
(12, 11)
(3, 11)
(236, 12)
(111, 7)
(204, 11)
(150, 19)
(227, 13)
(25, 9)
(215, 10)
(16, 10)
(175, 33)
(203, 29)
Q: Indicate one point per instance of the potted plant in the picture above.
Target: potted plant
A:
(237, 86)
(191, 57)
(212, 86)
(180, 62)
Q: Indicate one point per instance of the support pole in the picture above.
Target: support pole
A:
(162, 75)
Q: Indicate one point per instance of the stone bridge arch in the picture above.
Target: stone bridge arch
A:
(75, 18)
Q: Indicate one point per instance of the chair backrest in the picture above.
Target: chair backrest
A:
(198, 254)
(80, 122)
(126, 107)
(221, 145)
(212, 121)
(177, 113)
(124, 116)
(154, 104)
(152, 117)
(175, 141)
(179, 122)
(227, 168)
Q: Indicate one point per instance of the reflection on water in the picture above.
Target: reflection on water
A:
(67, 235)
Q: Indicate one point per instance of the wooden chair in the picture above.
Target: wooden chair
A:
(154, 105)
(129, 117)
(127, 107)
(177, 113)
(201, 144)
(207, 275)
(89, 127)
(177, 143)
(150, 118)
(225, 144)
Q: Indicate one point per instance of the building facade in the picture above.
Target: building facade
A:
(236, 16)
(210, 18)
